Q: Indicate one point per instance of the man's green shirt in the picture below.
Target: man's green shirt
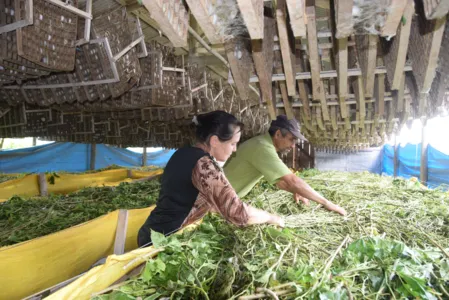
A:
(254, 159)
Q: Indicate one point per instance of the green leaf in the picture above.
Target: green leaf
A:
(159, 240)
(153, 297)
(265, 277)
(250, 267)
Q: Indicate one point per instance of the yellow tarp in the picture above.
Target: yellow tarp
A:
(101, 277)
(34, 265)
(136, 174)
(28, 186)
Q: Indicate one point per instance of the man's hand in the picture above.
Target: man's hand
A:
(298, 198)
(336, 208)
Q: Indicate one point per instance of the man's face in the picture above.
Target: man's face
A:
(285, 143)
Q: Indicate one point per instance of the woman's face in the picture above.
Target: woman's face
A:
(222, 150)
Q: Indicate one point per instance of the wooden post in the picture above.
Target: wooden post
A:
(34, 141)
(144, 157)
(424, 144)
(294, 158)
(120, 233)
(129, 173)
(93, 154)
(43, 190)
(396, 156)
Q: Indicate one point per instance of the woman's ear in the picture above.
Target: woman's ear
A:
(214, 141)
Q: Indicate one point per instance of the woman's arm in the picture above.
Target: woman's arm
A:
(221, 197)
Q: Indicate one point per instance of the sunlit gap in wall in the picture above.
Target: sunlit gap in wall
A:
(436, 133)
(140, 149)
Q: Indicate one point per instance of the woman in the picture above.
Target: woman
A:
(193, 183)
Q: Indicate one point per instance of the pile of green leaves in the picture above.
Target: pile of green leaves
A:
(392, 245)
(6, 177)
(24, 219)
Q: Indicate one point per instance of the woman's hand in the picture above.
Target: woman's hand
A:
(277, 220)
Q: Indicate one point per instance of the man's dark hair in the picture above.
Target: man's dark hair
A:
(272, 131)
(219, 123)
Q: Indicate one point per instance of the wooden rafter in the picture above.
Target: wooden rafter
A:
(367, 56)
(173, 21)
(296, 10)
(315, 67)
(342, 69)
(240, 64)
(252, 13)
(343, 18)
(396, 50)
(435, 9)
(263, 61)
(199, 10)
(287, 47)
(395, 12)
(425, 42)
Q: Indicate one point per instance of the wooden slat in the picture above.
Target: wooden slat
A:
(240, 65)
(395, 12)
(435, 9)
(343, 18)
(396, 51)
(367, 56)
(252, 13)
(296, 10)
(342, 69)
(263, 61)
(287, 105)
(399, 97)
(120, 233)
(360, 96)
(287, 47)
(380, 95)
(176, 31)
(315, 67)
(199, 10)
(424, 48)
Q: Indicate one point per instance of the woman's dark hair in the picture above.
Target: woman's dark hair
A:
(218, 123)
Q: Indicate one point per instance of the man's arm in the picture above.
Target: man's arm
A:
(293, 184)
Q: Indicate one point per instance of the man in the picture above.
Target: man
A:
(258, 157)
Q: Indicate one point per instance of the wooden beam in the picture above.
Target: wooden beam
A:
(425, 42)
(173, 21)
(315, 67)
(287, 47)
(296, 10)
(324, 74)
(263, 61)
(199, 10)
(435, 9)
(367, 55)
(252, 13)
(343, 18)
(240, 64)
(342, 70)
(395, 12)
(395, 51)
(120, 233)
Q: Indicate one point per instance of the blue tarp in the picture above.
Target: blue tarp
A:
(409, 160)
(72, 157)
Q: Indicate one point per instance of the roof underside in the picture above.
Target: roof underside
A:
(125, 73)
